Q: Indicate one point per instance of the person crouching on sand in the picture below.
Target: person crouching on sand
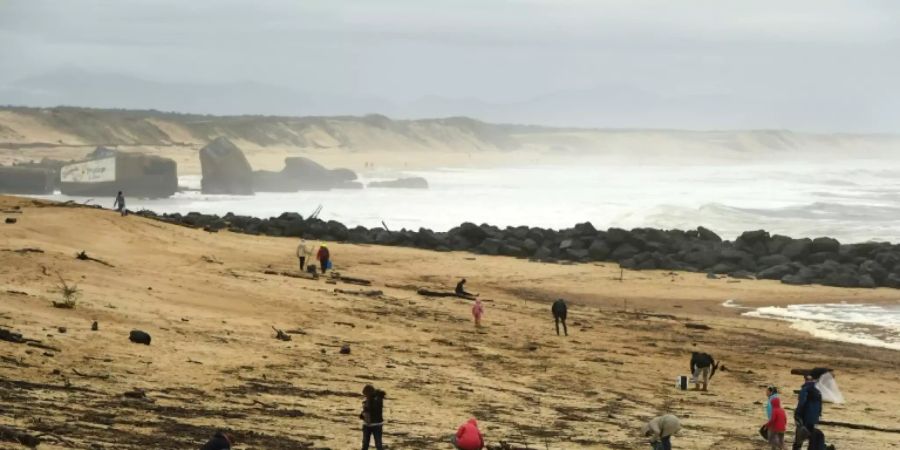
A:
(219, 441)
(468, 436)
(660, 431)
(477, 312)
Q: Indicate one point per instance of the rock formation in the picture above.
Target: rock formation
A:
(304, 174)
(27, 180)
(136, 174)
(225, 169)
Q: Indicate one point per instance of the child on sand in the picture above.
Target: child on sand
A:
(477, 312)
(372, 416)
(468, 436)
(324, 257)
(776, 425)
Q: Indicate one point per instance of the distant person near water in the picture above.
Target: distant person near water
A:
(468, 436)
(303, 252)
(559, 310)
(119, 204)
(324, 257)
(219, 441)
(372, 416)
(660, 431)
(461, 290)
(776, 425)
(477, 312)
(703, 367)
(807, 414)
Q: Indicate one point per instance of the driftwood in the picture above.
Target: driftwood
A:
(303, 275)
(697, 326)
(855, 426)
(372, 293)
(87, 375)
(429, 293)
(24, 250)
(82, 255)
(281, 335)
(17, 338)
(352, 280)
(9, 434)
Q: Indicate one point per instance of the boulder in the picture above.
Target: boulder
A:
(702, 257)
(470, 232)
(139, 337)
(529, 246)
(577, 254)
(825, 244)
(874, 270)
(776, 243)
(585, 229)
(305, 174)
(705, 234)
(797, 249)
(616, 236)
(772, 260)
(623, 251)
(543, 254)
(598, 250)
(490, 246)
(776, 272)
(866, 281)
(225, 169)
(401, 183)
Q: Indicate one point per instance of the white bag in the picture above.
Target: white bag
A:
(829, 389)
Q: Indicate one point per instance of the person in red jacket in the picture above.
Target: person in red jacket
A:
(776, 425)
(468, 437)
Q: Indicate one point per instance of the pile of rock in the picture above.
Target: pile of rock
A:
(754, 254)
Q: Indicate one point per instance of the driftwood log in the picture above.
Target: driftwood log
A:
(303, 275)
(82, 255)
(370, 293)
(8, 434)
(430, 293)
(855, 426)
(356, 281)
(281, 335)
(697, 326)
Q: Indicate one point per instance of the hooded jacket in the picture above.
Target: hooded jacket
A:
(373, 407)
(769, 405)
(559, 309)
(662, 426)
(809, 405)
(468, 436)
(219, 441)
(778, 421)
(323, 254)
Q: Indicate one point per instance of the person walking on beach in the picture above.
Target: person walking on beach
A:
(660, 431)
(703, 367)
(477, 312)
(303, 252)
(468, 436)
(807, 413)
(771, 394)
(776, 425)
(219, 441)
(372, 416)
(119, 204)
(559, 310)
(324, 257)
(461, 290)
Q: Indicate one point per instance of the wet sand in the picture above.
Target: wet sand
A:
(214, 362)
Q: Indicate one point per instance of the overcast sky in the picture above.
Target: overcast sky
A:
(833, 65)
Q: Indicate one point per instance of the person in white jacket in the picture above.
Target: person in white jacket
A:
(660, 431)
(303, 252)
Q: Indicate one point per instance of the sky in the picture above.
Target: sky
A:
(811, 65)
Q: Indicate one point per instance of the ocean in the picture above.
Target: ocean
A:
(852, 202)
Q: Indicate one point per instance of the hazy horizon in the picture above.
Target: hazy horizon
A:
(815, 66)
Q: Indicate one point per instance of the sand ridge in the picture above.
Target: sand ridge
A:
(210, 307)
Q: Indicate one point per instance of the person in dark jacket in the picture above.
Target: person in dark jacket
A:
(808, 412)
(559, 310)
(703, 367)
(119, 204)
(461, 290)
(324, 256)
(219, 441)
(372, 416)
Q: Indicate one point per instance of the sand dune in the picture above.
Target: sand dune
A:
(214, 361)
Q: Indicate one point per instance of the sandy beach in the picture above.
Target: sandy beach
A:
(214, 362)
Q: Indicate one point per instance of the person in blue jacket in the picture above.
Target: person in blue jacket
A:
(808, 412)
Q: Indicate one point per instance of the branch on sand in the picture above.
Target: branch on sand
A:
(430, 293)
(82, 255)
(855, 426)
(371, 293)
(281, 335)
